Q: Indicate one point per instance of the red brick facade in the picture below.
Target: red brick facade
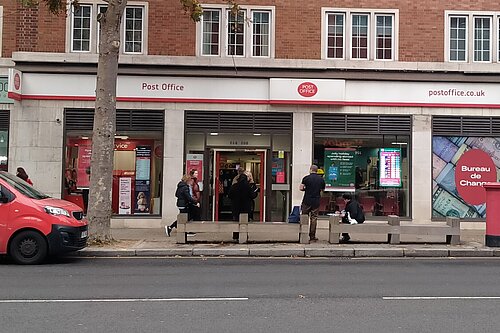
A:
(298, 27)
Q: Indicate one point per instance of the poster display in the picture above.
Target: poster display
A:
(83, 172)
(390, 167)
(195, 162)
(455, 193)
(125, 196)
(340, 169)
(278, 169)
(142, 180)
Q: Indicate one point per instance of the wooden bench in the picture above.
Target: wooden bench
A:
(393, 229)
(243, 227)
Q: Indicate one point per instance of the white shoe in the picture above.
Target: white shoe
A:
(354, 222)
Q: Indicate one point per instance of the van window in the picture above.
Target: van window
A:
(5, 193)
(23, 187)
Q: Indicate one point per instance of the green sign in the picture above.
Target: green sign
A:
(4, 84)
(339, 168)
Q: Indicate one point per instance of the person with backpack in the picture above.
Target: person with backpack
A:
(353, 214)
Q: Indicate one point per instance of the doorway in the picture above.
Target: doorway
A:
(225, 167)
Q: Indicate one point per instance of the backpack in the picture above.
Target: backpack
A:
(294, 216)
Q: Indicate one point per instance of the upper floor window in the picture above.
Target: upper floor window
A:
(470, 37)
(1, 32)
(248, 33)
(359, 34)
(85, 30)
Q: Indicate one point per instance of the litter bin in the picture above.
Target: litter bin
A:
(492, 214)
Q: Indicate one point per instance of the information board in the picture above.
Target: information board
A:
(390, 167)
(339, 169)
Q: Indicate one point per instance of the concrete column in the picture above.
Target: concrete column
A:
(36, 143)
(421, 168)
(173, 152)
(302, 145)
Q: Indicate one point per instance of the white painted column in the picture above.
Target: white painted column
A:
(422, 168)
(302, 145)
(173, 152)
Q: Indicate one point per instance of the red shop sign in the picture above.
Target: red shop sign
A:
(473, 170)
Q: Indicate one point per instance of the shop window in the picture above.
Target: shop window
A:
(136, 172)
(461, 199)
(4, 148)
(375, 169)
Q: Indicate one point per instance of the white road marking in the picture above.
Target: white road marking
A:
(411, 298)
(125, 300)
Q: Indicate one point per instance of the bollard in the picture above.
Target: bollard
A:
(454, 223)
(243, 229)
(181, 228)
(304, 229)
(394, 221)
(333, 237)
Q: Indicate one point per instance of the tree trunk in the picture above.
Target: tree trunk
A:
(103, 138)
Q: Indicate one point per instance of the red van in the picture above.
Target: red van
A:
(34, 225)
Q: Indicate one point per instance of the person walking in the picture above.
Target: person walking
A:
(312, 185)
(185, 201)
(21, 173)
(196, 193)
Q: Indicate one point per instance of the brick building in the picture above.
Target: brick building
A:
(385, 96)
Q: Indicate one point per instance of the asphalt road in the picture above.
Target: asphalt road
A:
(251, 295)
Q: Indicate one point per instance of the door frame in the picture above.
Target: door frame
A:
(263, 154)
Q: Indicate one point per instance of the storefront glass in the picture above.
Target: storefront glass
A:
(4, 148)
(373, 168)
(136, 172)
(457, 179)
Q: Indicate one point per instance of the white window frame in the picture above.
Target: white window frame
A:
(372, 32)
(490, 38)
(124, 30)
(72, 30)
(248, 33)
(94, 37)
(245, 33)
(343, 34)
(470, 16)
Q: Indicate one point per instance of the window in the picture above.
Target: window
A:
(360, 34)
(133, 29)
(482, 38)
(248, 33)
(81, 29)
(85, 29)
(1, 32)
(458, 38)
(470, 37)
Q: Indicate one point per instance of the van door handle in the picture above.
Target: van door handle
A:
(16, 210)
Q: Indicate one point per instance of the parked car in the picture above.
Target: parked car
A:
(34, 225)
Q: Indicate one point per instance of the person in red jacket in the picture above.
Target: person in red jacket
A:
(21, 173)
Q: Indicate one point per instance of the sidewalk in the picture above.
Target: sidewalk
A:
(154, 243)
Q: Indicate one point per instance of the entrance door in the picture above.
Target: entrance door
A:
(225, 169)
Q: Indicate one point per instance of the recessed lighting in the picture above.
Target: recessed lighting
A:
(123, 137)
(214, 133)
(85, 137)
(399, 143)
(257, 134)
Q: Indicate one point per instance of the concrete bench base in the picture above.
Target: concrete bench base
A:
(242, 227)
(393, 229)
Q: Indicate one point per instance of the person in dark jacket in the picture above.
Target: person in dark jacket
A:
(240, 194)
(185, 201)
(312, 185)
(353, 210)
(255, 192)
(241, 197)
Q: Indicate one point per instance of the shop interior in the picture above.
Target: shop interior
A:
(4, 148)
(364, 171)
(226, 169)
(136, 173)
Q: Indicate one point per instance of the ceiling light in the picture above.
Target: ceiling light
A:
(214, 133)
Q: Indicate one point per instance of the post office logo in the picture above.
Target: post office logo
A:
(307, 89)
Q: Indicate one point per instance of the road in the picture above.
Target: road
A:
(251, 295)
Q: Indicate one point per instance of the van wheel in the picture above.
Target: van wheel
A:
(28, 247)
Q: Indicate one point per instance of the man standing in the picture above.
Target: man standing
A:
(312, 185)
